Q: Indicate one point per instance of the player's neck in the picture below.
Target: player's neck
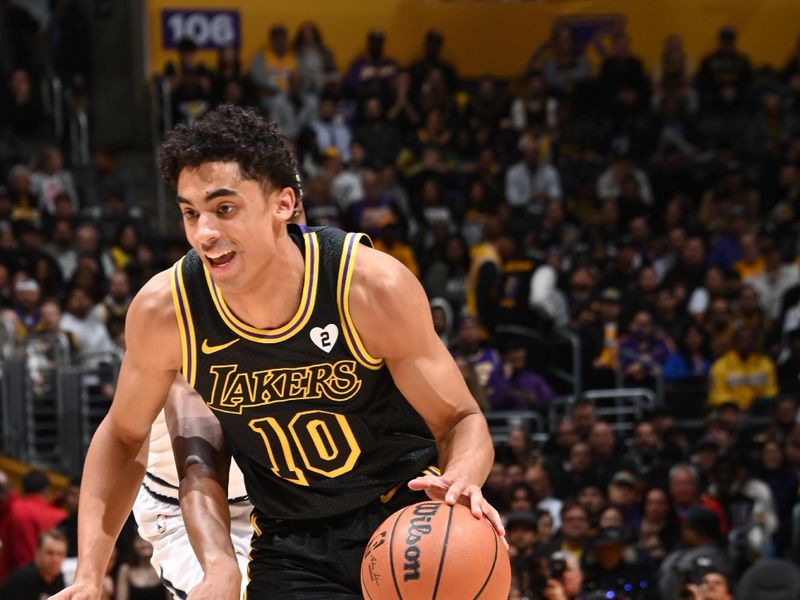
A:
(273, 297)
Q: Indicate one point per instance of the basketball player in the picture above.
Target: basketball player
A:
(157, 507)
(317, 355)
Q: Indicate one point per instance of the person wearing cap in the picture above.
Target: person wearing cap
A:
(701, 535)
(623, 492)
(607, 569)
(724, 75)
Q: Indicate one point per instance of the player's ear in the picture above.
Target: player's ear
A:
(284, 203)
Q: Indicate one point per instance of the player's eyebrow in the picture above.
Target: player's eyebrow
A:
(219, 193)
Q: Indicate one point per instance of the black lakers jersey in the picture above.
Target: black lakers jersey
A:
(315, 423)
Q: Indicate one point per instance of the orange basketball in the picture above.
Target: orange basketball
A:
(431, 550)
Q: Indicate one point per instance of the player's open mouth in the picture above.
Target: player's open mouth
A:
(219, 260)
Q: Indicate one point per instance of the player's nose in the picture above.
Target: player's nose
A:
(207, 231)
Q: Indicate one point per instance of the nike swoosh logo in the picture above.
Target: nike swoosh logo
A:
(212, 349)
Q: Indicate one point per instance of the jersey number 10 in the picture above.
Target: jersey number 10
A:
(323, 441)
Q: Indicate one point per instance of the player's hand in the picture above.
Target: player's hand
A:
(461, 491)
(78, 591)
(216, 589)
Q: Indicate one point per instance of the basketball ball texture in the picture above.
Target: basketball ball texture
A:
(434, 551)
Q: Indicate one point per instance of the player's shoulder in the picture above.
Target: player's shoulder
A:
(153, 303)
(378, 273)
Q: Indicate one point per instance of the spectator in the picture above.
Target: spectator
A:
(658, 532)
(672, 76)
(606, 458)
(643, 352)
(373, 210)
(521, 528)
(685, 495)
(773, 471)
(701, 534)
(609, 573)
(379, 137)
(7, 497)
(743, 374)
(346, 186)
(389, 240)
(788, 370)
(720, 327)
(431, 60)
(402, 109)
(137, 578)
(574, 535)
(715, 586)
(724, 75)
(51, 179)
(314, 59)
(28, 516)
(370, 74)
(776, 279)
(750, 506)
(442, 315)
(532, 183)
(22, 111)
(610, 182)
(564, 66)
(447, 275)
(90, 336)
(330, 130)
(752, 262)
(112, 309)
(691, 358)
(271, 67)
(539, 481)
(42, 577)
(27, 301)
(514, 386)
(468, 345)
(191, 84)
(623, 83)
(534, 107)
(292, 110)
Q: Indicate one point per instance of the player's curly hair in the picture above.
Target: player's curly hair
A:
(231, 133)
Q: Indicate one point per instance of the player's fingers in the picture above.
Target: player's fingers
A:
(425, 482)
(494, 518)
(454, 492)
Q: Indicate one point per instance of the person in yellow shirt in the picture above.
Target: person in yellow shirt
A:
(270, 68)
(389, 241)
(752, 262)
(742, 374)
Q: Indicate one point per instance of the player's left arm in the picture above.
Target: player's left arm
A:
(391, 313)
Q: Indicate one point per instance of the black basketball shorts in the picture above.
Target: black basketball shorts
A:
(317, 559)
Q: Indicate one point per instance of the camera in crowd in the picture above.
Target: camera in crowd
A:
(552, 568)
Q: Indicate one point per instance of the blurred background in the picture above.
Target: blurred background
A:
(600, 198)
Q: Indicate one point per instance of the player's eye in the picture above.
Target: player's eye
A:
(189, 214)
(225, 209)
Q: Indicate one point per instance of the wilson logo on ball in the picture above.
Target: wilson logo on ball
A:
(418, 526)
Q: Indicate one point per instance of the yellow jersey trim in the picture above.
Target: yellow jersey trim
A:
(344, 280)
(296, 323)
(183, 313)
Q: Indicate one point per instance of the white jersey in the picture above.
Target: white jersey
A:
(162, 475)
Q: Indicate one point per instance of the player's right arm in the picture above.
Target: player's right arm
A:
(117, 455)
(203, 462)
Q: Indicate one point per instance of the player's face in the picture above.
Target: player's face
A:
(232, 223)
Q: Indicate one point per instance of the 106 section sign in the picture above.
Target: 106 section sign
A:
(207, 28)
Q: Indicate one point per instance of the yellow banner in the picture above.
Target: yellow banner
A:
(485, 36)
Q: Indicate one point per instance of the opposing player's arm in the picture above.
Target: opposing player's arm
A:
(392, 315)
(116, 460)
(203, 462)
